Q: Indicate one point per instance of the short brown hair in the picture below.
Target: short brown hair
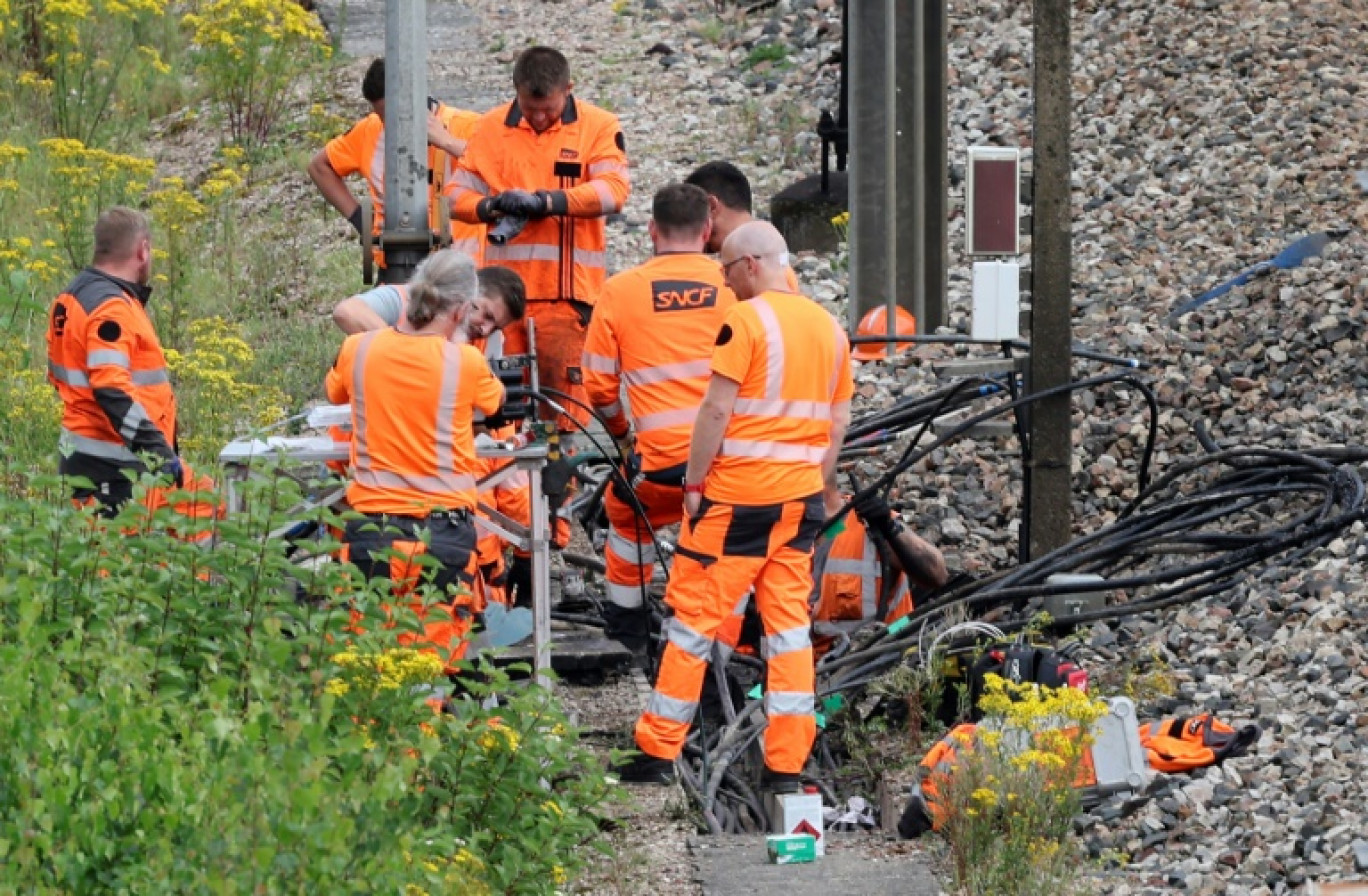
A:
(541, 71)
(680, 210)
(506, 285)
(118, 232)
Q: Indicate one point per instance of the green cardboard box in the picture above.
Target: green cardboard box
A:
(790, 849)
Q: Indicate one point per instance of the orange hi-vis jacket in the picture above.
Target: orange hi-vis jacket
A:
(653, 329)
(362, 151)
(850, 583)
(583, 159)
(106, 362)
(792, 361)
(412, 399)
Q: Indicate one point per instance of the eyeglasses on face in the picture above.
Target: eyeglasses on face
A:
(726, 265)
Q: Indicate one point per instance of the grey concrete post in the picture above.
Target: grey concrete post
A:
(935, 174)
(909, 201)
(406, 236)
(1048, 509)
(873, 244)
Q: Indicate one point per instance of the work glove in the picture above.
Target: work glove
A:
(874, 512)
(519, 204)
(354, 219)
(625, 443)
(176, 470)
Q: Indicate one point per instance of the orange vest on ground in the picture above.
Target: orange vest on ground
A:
(412, 400)
(792, 361)
(562, 256)
(362, 151)
(851, 583)
(653, 329)
(107, 365)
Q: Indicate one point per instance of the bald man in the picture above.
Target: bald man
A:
(764, 443)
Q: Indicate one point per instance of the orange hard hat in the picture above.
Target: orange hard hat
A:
(875, 323)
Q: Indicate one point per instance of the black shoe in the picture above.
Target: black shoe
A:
(643, 768)
(780, 782)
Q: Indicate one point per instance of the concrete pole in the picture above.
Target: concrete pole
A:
(1049, 507)
(910, 199)
(406, 237)
(873, 244)
(935, 177)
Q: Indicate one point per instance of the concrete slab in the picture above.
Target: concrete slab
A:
(739, 866)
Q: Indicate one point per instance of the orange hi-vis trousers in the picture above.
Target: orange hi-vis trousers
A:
(630, 552)
(722, 552)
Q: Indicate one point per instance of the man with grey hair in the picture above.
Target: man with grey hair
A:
(413, 393)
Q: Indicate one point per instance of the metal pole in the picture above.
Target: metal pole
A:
(872, 233)
(910, 198)
(406, 237)
(1048, 506)
(935, 178)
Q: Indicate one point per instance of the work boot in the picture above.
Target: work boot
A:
(643, 768)
(780, 782)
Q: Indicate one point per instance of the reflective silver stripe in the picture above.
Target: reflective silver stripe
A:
(470, 181)
(688, 640)
(606, 166)
(377, 180)
(610, 410)
(523, 252)
(599, 363)
(740, 608)
(591, 259)
(69, 442)
(470, 247)
(428, 485)
(133, 421)
(774, 348)
(68, 375)
(868, 569)
(790, 641)
(607, 201)
(672, 708)
(666, 419)
(782, 451)
(107, 357)
(722, 653)
(838, 366)
(789, 703)
(363, 458)
(516, 480)
(771, 407)
(150, 377)
(444, 425)
(626, 596)
(631, 551)
(667, 373)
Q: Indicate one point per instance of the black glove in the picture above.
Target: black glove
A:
(354, 219)
(874, 512)
(176, 470)
(519, 204)
(554, 201)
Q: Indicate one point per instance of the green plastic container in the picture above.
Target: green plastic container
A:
(791, 849)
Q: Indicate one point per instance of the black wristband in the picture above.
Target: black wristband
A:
(354, 219)
(484, 209)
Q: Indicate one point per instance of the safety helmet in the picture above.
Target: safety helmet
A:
(875, 323)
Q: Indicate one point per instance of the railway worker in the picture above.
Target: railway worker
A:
(729, 204)
(765, 442)
(653, 332)
(362, 151)
(106, 362)
(848, 569)
(502, 301)
(560, 163)
(413, 394)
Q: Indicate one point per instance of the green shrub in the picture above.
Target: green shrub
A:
(174, 720)
(248, 54)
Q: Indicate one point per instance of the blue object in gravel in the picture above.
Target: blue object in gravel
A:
(1290, 257)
